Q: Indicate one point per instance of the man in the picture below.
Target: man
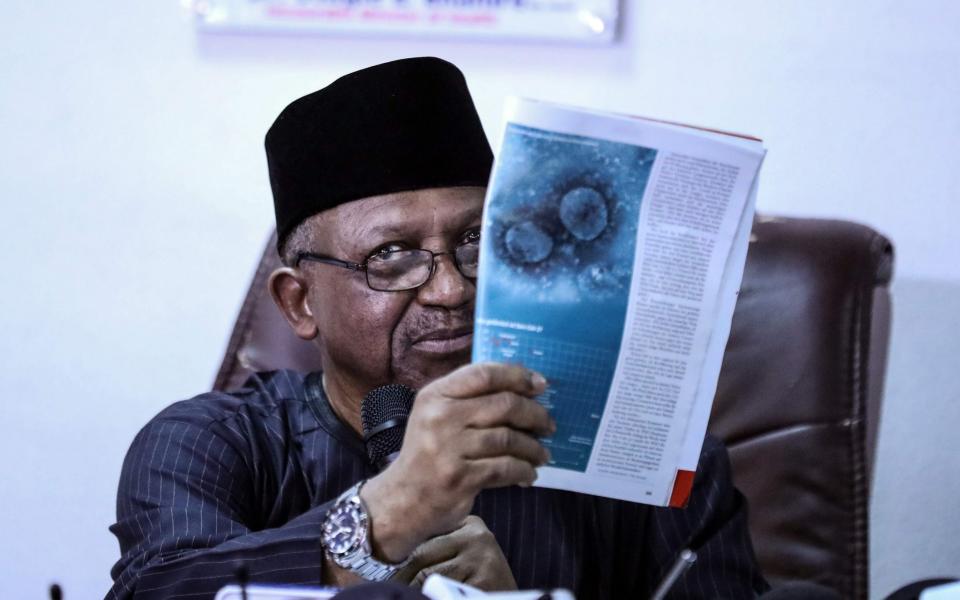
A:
(378, 185)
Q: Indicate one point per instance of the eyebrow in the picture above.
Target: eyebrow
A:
(394, 231)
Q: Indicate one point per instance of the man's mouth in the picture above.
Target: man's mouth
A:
(445, 341)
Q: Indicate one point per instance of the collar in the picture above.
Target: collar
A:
(319, 404)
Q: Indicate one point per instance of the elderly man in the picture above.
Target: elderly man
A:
(378, 185)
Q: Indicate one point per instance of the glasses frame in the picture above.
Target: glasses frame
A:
(346, 264)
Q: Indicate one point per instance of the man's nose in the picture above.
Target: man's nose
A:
(447, 286)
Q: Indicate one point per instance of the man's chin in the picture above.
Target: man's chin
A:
(419, 366)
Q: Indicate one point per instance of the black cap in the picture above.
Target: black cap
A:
(404, 125)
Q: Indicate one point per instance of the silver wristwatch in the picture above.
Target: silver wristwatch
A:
(346, 538)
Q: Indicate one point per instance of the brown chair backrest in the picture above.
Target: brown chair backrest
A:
(797, 402)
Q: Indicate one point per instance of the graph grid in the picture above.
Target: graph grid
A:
(579, 380)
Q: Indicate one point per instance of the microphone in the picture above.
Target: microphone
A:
(243, 578)
(384, 413)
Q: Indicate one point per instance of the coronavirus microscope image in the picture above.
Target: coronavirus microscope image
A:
(583, 211)
(563, 213)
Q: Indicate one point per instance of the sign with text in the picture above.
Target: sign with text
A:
(584, 21)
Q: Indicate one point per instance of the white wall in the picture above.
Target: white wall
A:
(135, 201)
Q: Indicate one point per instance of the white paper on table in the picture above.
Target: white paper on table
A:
(947, 591)
(275, 592)
(438, 587)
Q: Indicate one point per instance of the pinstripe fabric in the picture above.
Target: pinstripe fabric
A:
(245, 478)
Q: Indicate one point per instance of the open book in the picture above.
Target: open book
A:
(611, 256)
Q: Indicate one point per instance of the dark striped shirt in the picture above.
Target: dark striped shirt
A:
(246, 477)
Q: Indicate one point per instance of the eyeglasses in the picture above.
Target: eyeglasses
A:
(401, 270)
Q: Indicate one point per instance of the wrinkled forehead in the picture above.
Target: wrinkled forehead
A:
(413, 215)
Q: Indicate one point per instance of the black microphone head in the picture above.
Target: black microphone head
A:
(384, 416)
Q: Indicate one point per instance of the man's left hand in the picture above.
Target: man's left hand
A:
(469, 555)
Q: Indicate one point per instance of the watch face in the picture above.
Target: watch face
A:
(344, 529)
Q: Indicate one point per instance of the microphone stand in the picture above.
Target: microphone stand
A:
(684, 561)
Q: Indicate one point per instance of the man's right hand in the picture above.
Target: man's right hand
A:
(473, 429)
(469, 555)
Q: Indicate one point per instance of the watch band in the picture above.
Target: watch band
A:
(361, 560)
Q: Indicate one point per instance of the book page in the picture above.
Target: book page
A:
(611, 248)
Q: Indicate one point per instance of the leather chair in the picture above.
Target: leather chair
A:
(797, 402)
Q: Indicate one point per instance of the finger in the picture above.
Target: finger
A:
(423, 558)
(499, 581)
(444, 547)
(503, 441)
(507, 409)
(500, 472)
(487, 378)
(471, 526)
(438, 549)
(456, 569)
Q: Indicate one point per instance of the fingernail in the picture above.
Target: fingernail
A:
(538, 380)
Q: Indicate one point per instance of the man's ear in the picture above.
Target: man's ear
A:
(289, 290)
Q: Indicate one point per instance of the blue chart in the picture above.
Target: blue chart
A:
(579, 379)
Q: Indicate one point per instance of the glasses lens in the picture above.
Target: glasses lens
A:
(467, 258)
(401, 270)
